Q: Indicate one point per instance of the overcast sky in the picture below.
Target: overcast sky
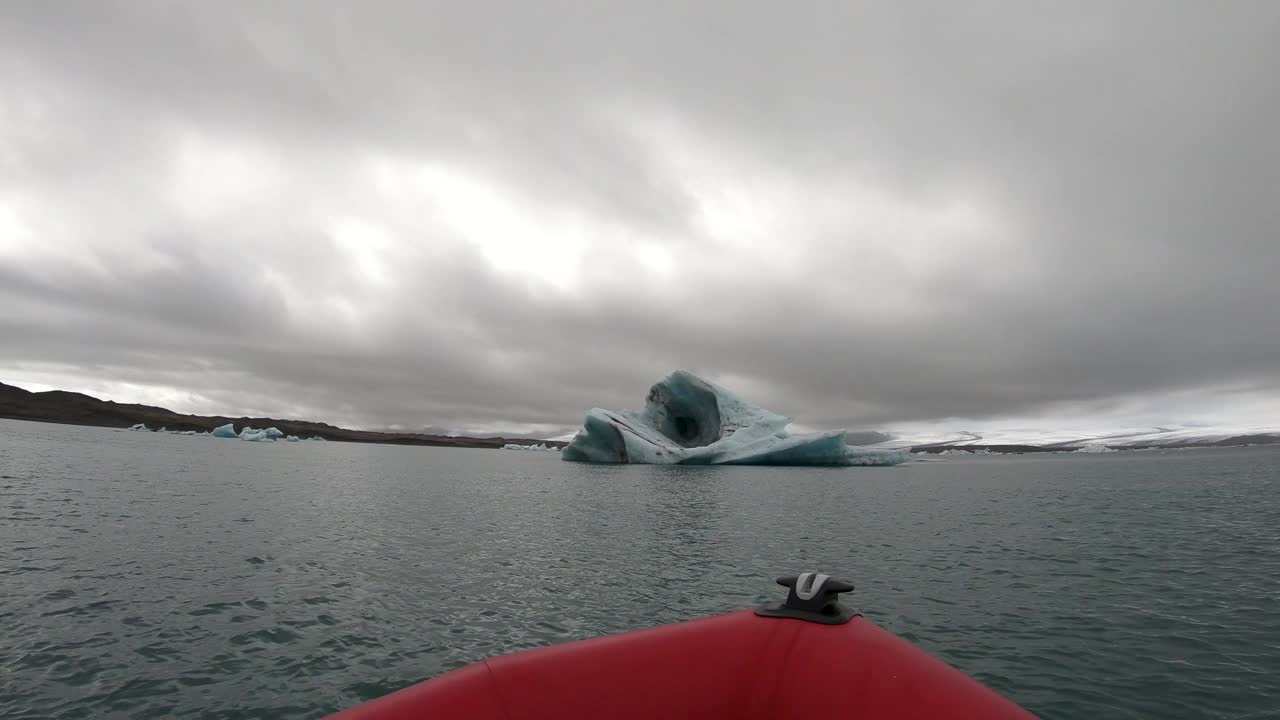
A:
(497, 215)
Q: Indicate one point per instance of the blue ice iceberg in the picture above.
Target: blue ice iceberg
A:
(268, 435)
(689, 421)
(225, 431)
(249, 434)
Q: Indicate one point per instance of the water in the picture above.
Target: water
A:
(148, 575)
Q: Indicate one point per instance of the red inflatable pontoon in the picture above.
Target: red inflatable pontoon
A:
(804, 659)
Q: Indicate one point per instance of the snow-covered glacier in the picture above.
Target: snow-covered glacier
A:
(689, 421)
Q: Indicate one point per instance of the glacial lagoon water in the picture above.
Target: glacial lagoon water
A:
(146, 575)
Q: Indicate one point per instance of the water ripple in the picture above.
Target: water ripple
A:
(185, 578)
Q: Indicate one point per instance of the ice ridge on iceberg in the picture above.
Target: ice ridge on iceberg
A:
(689, 421)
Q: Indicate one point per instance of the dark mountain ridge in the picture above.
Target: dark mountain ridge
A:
(72, 408)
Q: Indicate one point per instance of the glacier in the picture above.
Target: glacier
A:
(1082, 438)
(690, 421)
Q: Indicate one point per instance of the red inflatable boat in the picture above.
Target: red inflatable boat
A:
(806, 658)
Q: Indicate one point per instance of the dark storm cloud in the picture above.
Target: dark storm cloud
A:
(501, 215)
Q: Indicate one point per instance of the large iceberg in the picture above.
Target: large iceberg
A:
(687, 420)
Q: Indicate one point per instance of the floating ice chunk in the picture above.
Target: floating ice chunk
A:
(517, 446)
(269, 435)
(687, 420)
(225, 431)
(138, 428)
(249, 434)
(316, 437)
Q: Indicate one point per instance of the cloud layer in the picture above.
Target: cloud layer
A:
(497, 216)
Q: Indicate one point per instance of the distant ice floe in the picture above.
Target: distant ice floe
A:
(140, 427)
(689, 421)
(540, 446)
(1090, 441)
(248, 434)
(268, 435)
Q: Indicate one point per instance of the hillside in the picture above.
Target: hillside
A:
(71, 408)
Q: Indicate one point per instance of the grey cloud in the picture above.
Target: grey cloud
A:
(1129, 156)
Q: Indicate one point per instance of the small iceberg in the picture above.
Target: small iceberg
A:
(269, 435)
(540, 446)
(139, 428)
(249, 434)
(225, 431)
(316, 437)
(292, 438)
(689, 421)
